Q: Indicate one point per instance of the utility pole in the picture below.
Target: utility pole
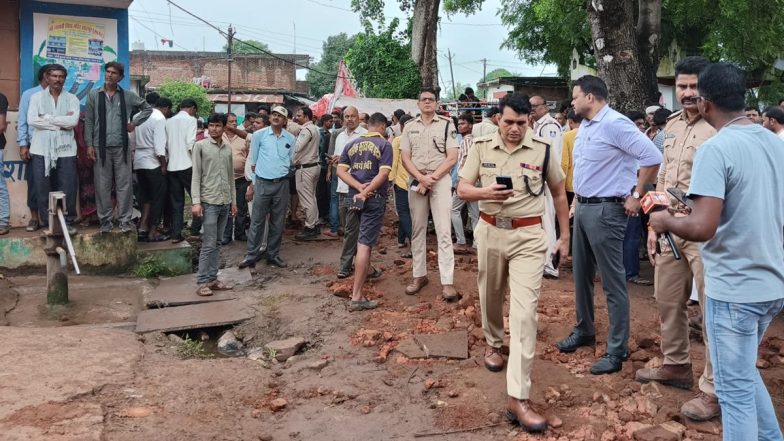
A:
(452, 73)
(484, 75)
(229, 51)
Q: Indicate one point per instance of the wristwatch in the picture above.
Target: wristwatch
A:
(636, 195)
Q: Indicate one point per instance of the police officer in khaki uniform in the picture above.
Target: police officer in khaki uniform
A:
(306, 172)
(428, 150)
(512, 242)
(684, 133)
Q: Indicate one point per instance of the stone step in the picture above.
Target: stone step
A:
(176, 257)
(181, 290)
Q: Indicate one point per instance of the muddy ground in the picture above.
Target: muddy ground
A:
(65, 376)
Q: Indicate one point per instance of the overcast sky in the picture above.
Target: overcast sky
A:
(302, 25)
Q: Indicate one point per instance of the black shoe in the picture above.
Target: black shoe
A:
(247, 263)
(177, 238)
(242, 238)
(226, 241)
(607, 364)
(574, 341)
(276, 262)
(71, 230)
(308, 234)
(342, 274)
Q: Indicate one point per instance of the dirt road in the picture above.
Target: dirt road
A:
(349, 382)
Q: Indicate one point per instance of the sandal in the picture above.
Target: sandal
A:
(204, 291)
(217, 285)
(343, 274)
(362, 305)
(377, 272)
(407, 255)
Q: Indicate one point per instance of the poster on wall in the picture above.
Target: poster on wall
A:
(81, 44)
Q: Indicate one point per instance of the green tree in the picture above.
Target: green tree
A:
(247, 47)
(424, 29)
(177, 91)
(623, 39)
(382, 65)
(333, 50)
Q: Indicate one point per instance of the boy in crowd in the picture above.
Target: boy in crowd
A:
(214, 199)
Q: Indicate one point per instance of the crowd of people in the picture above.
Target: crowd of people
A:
(524, 190)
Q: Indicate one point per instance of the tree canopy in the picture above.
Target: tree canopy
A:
(333, 50)
(744, 32)
(246, 47)
(177, 91)
(381, 63)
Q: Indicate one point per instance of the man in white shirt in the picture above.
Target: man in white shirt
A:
(53, 113)
(149, 164)
(773, 120)
(351, 132)
(546, 127)
(180, 136)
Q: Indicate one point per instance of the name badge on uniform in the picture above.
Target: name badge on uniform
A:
(414, 132)
(531, 167)
(488, 165)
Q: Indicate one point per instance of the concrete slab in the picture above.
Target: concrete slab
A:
(181, 290)
(204, 315)
(410, 349)
(449, 345)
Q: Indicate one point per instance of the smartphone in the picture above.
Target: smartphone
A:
(556, 259)
(414, 186)
(506, 181)
(358, 204)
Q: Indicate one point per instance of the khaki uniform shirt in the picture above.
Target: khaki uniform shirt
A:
(682, 138)
(427, 142)
(489, 158)
(239, 152)
(307, 145)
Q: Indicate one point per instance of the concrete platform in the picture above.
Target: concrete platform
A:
(204, 315)
(115, 253)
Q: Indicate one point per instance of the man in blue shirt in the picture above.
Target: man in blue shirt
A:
(24, 135)
(272, 150)
(607, 150)
(738, 190)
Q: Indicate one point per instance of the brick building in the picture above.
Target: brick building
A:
(257, 80)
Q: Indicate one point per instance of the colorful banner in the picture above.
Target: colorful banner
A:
(81, 44)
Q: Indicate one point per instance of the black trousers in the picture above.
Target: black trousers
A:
(237, 227)
(61, 178)
(180, 182)
(152, 190)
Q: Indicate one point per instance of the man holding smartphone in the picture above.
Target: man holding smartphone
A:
(513, 167)
(364, 165)
(428, 150)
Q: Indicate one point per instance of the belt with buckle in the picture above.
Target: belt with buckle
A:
(274, 181)
(312, 164)
(510, 223)
(584, 200)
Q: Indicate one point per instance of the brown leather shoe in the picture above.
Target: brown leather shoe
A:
(703, 407)
(521, 412)
(416, 285)
(449, 293)
(675, 375)
(494, 361)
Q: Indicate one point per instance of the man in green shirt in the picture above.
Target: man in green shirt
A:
(214, 199)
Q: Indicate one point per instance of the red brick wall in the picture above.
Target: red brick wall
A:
(253, 72)
(9, 52)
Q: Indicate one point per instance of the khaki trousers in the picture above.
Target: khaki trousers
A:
(673, 282)
(514, 259)
(438, 202)
(307, 180)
